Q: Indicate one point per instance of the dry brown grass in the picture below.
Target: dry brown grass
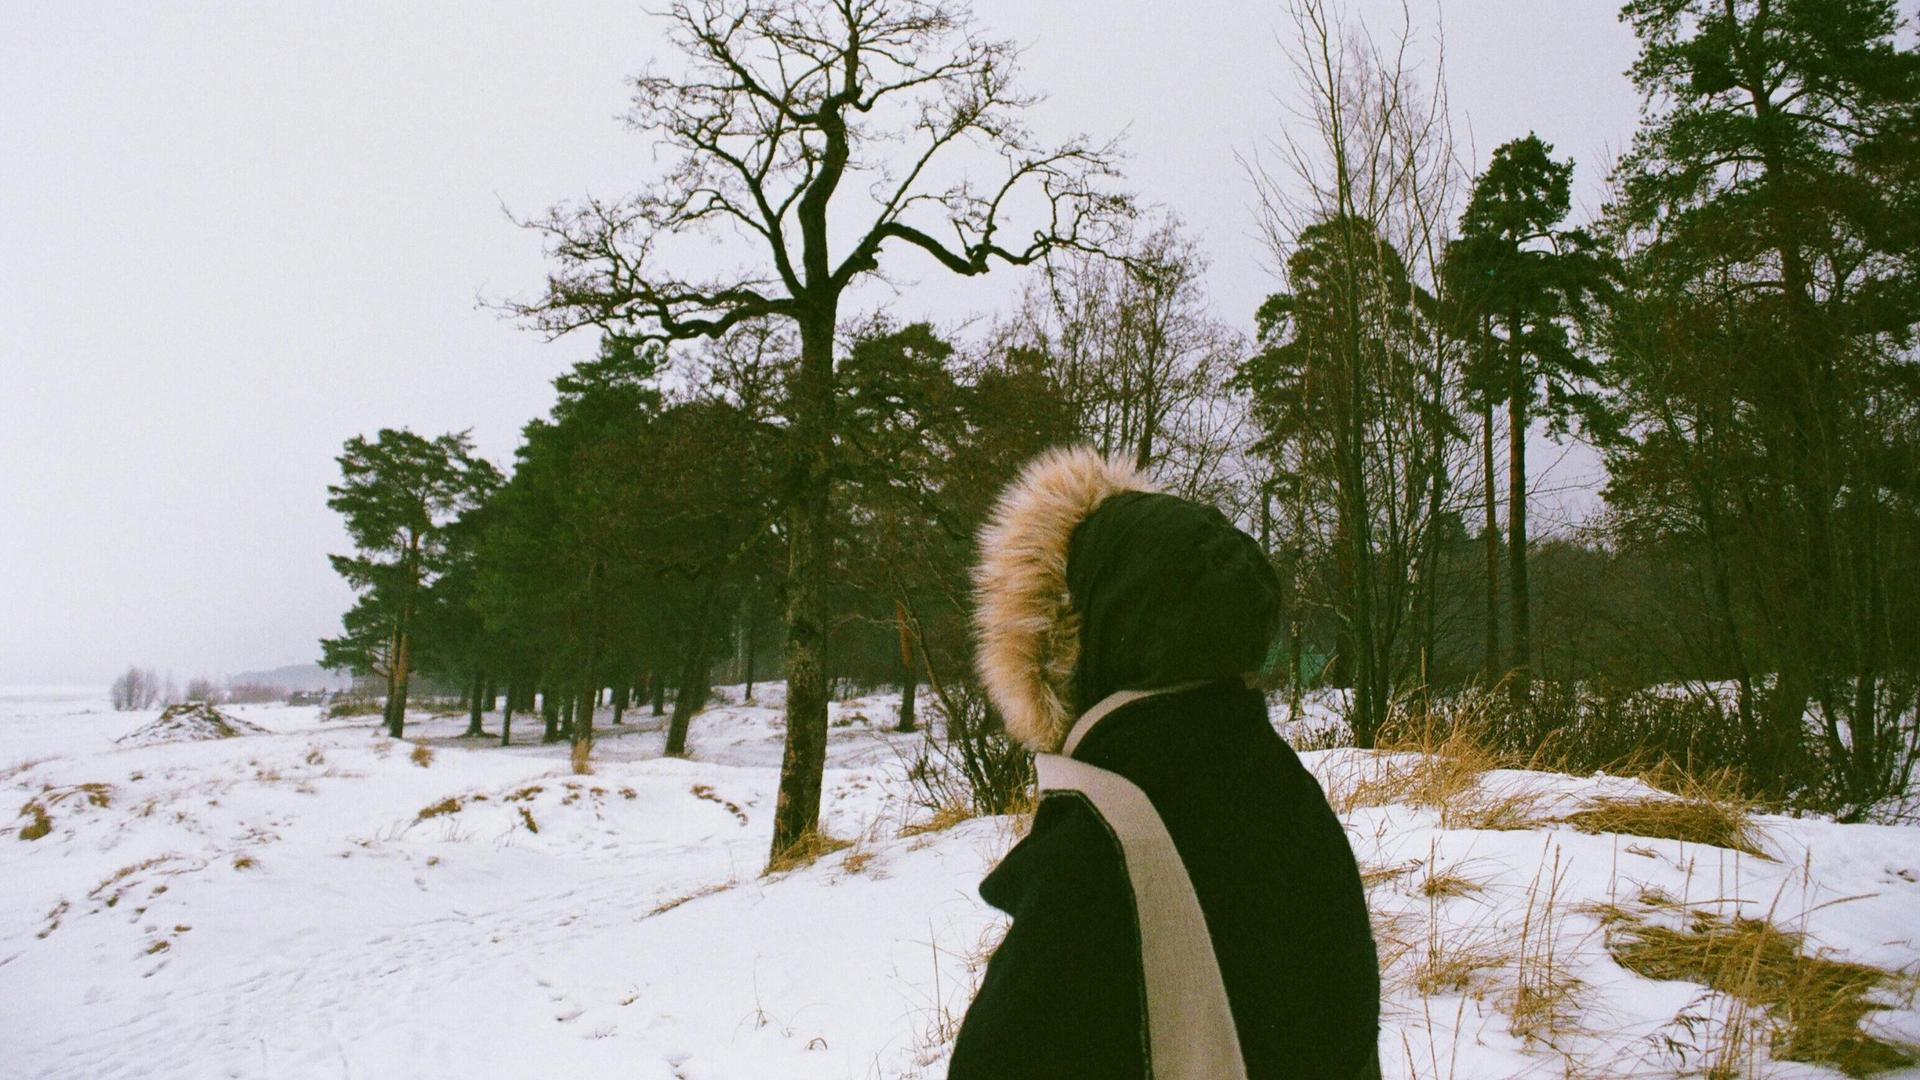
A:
(1447, 884)
(20, 767)
(422, 755)
(705, 791)
(1441, 765)
(857, 861)
(705, 890)
(581, 758)
(1815, 1004)
(806, 851)
(943, 1020)
(1542, 1002)
(39, 822)
(1695, 820)
(944, 818)
(1376, 875)
(449, 805)
(110, 890)
(1450, 963)
(1515, 805)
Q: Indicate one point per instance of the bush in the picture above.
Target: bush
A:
(1669, 737)
(1599, 728)
(975, 768)
(354, 706)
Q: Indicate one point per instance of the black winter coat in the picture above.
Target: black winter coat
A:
(1064, 997)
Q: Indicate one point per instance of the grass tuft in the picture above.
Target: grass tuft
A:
(1447, 884)
(1816, 1003)
(38, 823)
(449, 805)
(1693, 820)
(805, 851)
(665, 906)
(944, 817)
(422, 755)
(706, 792)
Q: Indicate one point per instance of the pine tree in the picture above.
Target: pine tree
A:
(1761, 372)
(1529, 278)
(399, 495)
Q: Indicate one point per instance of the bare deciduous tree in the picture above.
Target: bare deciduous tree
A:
(819, 135)
(136, 688)
(1355, 387)
(1140, 355)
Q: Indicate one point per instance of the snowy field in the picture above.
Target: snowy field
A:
(319, 901)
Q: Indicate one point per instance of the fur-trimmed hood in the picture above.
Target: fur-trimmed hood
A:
(1090, 581)
(1027, 632)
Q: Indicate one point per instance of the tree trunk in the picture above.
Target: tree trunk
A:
(909, 674)
(584, 702)
(622, 696)
(797, 811)
(1521, 665)
(550, 713)
(478, 706)
(397, 702)
(694, 675)
(506, 715)
(1491, 668)
(658, 687)
(751, 642)
(746, 615)
(582, 729)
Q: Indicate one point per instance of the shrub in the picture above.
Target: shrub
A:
(974, 768)
(1676, 740)
(343, 707)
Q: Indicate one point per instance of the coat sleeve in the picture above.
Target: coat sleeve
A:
(1062, 998)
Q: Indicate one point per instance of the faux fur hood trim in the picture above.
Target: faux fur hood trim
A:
(1027, 635)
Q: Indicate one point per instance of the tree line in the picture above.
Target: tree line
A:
(750, 465)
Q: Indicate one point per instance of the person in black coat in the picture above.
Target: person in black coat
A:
(1115, 629)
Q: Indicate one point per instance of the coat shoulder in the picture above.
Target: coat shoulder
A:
(1063, 995)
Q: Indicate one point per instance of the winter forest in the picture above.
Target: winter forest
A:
(682, 697)
(758, 478)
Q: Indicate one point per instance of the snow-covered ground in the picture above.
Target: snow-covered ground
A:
(321, 901)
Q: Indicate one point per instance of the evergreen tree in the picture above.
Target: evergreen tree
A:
(1525, 279)
(399, 495)
(1761, 370)
(1344, 402)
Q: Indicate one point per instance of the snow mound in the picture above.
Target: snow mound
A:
(193, 722)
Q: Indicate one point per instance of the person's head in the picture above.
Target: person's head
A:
(1091, 581)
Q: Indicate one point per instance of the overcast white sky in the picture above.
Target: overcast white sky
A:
(233, 235)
